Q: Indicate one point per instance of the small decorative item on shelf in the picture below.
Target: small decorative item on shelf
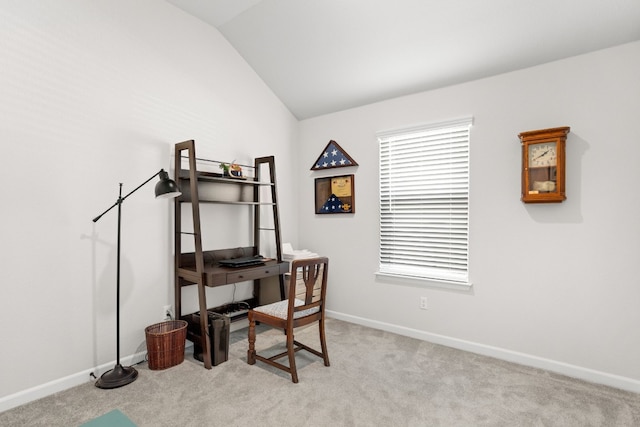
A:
(231, 169)
(236, 170)
(225, 168)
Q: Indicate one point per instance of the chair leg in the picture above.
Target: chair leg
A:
(251, 353)
(323, 342)
(292, 357)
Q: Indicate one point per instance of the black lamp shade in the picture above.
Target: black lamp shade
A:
(166, 188)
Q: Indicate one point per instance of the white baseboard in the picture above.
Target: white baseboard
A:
(61, 384)
(586, 374)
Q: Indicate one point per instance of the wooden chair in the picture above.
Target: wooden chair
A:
(304, 305)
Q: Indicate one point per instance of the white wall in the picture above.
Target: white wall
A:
(554, 285)
(95, 93)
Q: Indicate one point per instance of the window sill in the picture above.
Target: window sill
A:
(423, 282)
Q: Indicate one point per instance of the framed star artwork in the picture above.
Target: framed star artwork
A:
(335, 195)
(333, 156)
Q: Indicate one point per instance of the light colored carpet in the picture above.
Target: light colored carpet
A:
(376, 379)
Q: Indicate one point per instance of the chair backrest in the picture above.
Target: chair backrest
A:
(308, 287)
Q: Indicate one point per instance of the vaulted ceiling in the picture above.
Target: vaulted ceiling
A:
(323, 56)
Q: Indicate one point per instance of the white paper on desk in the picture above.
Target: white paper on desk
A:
(290, 254)
(287, 248)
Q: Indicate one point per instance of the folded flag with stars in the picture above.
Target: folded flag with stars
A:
(333, 156)
(334, 205)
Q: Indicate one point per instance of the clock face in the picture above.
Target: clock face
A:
(542, 155)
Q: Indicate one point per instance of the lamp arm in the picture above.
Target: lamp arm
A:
(142, 185)
(121, 199)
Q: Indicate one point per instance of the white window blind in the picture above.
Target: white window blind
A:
(424, 202)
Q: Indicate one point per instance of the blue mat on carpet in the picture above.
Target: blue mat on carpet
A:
(114, 418)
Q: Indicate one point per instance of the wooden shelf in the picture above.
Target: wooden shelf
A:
(201, 267)
(217, 177)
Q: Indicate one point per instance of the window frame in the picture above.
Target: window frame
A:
(432, 266)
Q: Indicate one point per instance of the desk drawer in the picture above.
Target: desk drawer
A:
(253, 273)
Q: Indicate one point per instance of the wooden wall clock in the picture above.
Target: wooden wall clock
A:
(543, 165)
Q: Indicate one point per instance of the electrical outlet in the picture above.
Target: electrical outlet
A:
(423, 303)
(167, 312)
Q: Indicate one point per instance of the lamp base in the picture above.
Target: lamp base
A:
(117, 377)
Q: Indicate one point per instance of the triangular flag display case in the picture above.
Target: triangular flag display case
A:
(333, 156)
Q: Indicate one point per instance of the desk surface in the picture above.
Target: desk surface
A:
(216, 275)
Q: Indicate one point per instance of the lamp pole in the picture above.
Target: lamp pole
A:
(120, 375)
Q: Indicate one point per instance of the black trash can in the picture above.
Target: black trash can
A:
(219, 329)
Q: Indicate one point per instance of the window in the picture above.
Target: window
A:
(424, 202)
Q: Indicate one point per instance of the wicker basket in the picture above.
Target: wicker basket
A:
(165, 343)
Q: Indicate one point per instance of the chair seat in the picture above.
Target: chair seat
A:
(279, 309)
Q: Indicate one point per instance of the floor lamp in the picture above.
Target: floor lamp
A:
(120, 375)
